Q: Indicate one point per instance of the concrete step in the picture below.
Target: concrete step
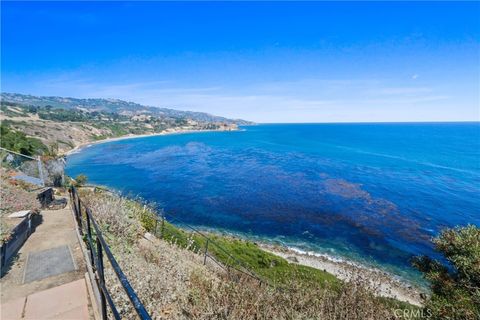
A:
(67, 301)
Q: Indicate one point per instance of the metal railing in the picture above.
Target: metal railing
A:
(97, 247)
(230, 264)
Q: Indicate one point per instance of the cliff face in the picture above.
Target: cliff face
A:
(65, 135)
(64, 129)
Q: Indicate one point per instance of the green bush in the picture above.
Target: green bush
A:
(237, 253)
(80, 180)
(148, 220)
(19, 142)
(455, 286)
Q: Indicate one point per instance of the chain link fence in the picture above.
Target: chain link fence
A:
(38, 171)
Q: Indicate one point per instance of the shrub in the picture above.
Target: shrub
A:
(456, 285)
(18, 141)
(80, 180)
(245, 299)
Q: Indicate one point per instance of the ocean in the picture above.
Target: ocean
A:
(371, 193)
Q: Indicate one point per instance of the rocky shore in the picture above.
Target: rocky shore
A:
(382, 283)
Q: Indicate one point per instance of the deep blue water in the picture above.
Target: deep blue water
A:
(375, 193)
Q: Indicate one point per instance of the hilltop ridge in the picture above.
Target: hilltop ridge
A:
(121, 107)
(62, 124)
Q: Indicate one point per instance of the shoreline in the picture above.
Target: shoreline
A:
(135, 136)
(382, 283)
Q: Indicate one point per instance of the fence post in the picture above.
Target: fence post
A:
(162, 226)
(101, 277)
(206, 250)
(40, 170)
(156, 225)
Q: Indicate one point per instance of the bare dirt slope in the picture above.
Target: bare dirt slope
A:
(66, 134)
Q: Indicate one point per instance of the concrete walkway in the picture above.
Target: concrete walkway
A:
(67, 301)
(47, 280)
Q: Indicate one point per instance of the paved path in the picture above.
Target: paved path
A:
(60, 295)
(67, 301)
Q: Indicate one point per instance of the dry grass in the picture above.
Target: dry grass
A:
(246, 300)
(13, 197)
(158, 271)
(173, 283)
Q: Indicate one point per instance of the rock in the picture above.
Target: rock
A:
(292, 258)
(20, 214)
(149, 236)
(273, 263)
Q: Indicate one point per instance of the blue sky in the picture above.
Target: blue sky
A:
(267, 62)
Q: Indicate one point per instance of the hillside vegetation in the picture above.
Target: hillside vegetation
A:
(38, 128)
(19, 142)
(171, 280)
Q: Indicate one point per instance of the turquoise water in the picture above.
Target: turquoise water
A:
(374, 193)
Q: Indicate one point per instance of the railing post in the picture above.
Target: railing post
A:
(72, 198)
(101, 277)
(74, 195)
(79, 216)
(89, 229)
(206, 250)
(89, 235)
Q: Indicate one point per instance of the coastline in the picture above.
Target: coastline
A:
(135, 136)
(380, 282)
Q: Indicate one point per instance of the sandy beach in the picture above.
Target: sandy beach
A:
(380, 282)
(135, 136)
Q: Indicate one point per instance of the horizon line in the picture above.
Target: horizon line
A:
(363, 122)
(245, 118)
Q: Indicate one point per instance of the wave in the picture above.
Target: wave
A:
(427, 164)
